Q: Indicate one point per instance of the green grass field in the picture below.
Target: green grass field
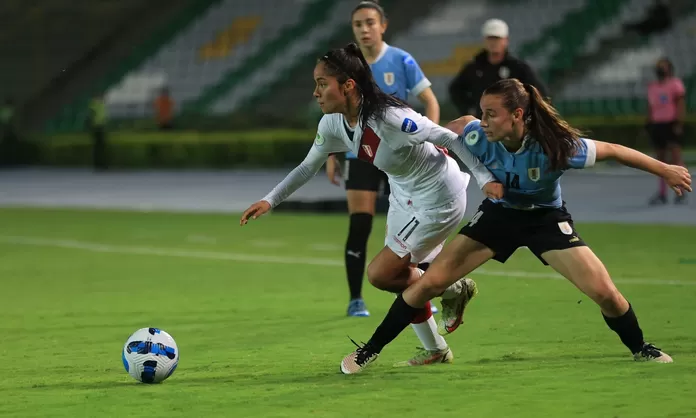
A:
(258, 315)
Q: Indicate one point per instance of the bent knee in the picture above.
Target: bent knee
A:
(605, 294)
(610, 299)
(379, 277)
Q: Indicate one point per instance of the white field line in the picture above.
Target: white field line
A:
(261, 258)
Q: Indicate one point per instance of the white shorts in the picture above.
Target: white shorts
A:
(422, 233)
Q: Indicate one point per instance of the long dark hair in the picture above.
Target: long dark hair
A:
(349, 63)
(371, 4)
(557, 138)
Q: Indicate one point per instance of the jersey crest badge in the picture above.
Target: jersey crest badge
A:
(319, 140)
(471, 138)
(565, 228)
(389, 78)
(409, 126)
(534, 173)
(368, 151)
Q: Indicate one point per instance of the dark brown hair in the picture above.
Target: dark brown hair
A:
(371, 4)
(349, 63)
(557, 138)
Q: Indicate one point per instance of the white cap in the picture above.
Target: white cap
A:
(495, 27)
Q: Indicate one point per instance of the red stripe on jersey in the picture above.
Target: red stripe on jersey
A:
(368, 145)
(443, 149)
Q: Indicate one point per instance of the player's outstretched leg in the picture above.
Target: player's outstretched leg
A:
(381, 274)
(582, 267)
(459, 258)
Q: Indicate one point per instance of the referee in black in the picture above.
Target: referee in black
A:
(493, 63)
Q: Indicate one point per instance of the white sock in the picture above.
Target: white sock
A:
(427, 331)
(428, 336)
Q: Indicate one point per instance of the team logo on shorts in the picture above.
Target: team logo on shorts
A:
(389, 78)
(565, 228)
(534, 173)
(409, 126)
(319, 140)
(472, 138)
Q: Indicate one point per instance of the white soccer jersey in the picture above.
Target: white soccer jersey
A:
(403, 146)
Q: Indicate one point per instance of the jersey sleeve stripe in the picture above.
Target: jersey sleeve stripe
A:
(591, 152)
(420, 86)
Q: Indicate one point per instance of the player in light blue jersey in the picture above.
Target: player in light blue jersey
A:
(526, 145)
(398, 74)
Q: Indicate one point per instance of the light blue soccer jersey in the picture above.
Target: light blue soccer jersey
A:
(525, 174)
(397, 73)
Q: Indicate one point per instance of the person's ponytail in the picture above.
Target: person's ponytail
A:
(558, 139)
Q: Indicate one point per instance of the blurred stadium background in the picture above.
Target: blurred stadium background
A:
(243, 68)
(239, 77)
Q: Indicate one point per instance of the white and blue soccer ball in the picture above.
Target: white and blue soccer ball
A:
(150, 355)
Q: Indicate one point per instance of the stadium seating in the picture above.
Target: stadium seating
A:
(221, 40)
(40, 39)
(444, 41)
(624, 77)
(284, 58)
(232, 55)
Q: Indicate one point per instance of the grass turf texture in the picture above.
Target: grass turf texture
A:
(265, 337)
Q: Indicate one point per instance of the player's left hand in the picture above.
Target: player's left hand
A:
(678, 178)
(493, 190)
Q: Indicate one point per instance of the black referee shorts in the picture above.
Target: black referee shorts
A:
(361, 175)
(504, 230)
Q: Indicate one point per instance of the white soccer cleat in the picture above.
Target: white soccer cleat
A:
(453, 308)
(651, 353)
(356, 361)
(425, 357)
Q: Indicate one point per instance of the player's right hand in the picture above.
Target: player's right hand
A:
(333, 170)
(254, 211)
(493, 190)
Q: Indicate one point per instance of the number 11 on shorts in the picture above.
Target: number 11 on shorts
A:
(413, 223)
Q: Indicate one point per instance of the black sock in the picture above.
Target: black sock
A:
(424, 266)
(628, 329)
(356, 248)
(399, 316)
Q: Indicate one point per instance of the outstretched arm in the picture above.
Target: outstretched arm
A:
(414, 129)
(676, 176)
(450, 140)
(293, 181)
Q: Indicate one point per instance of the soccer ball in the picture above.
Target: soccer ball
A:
(150, 355)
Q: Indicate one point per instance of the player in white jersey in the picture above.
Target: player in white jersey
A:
(396, 73)
(428, 198)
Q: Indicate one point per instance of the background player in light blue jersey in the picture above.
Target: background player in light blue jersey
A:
(396, 73)
(526, 145)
